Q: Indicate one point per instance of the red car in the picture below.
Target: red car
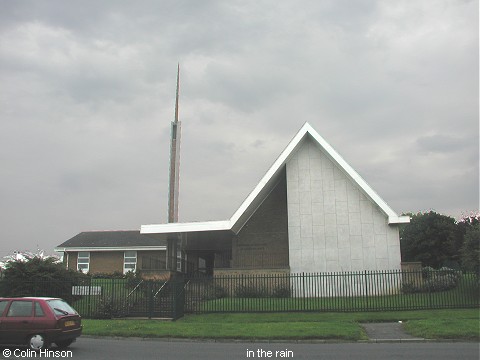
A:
(38, 322)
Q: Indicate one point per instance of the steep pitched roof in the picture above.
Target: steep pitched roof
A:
(266, 185)
(110, 240)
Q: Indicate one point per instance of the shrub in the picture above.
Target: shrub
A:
(213, 291)
(40, 277)
(427, 272)
(114, 275)
(108, 308)
(434, 280)
(250, 291)
(442, 280)
(205, 289)
(282, 291)
(411, 288)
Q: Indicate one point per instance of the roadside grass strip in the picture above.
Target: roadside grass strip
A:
(229, 330)
(460, 324)
(466, 329)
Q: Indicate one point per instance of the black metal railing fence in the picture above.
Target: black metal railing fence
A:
(280, 292)
(345, 291)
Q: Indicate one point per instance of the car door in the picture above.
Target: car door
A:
(3, 306)
(17, 322)
(40, 321)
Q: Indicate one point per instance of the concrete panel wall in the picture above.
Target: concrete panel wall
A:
(332, 225)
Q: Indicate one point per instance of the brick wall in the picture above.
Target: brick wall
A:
(106, 262)
(263, 241)
(72, 260)
(267, 282)
(249, 272)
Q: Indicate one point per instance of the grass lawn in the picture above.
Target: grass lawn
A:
(467, 329)
(464, 295)
(434, 324)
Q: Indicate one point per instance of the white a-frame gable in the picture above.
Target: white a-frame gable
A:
(262, 189)
(336, 221)
(266, 184)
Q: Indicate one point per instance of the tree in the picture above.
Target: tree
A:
(468, 221)
(431, 238)
(470, 252)
(38, 277)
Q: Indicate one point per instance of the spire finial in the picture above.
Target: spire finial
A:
(178, 88)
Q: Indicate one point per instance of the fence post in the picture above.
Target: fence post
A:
(150, 298)
(366, 291)
(303, 285)
(430, 294)
(112, 285)
(174, 300)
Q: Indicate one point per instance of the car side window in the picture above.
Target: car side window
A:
(38, 310)
(20, 308)
(3, 305)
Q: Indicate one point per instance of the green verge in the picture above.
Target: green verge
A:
(433, 324)
(465, 329)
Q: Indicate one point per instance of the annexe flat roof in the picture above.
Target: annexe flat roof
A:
(266, 185)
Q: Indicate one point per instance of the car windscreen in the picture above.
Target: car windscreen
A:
(60, 307)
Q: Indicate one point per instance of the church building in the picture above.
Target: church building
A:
(311, 212)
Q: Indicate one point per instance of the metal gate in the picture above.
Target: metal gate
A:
(157, 299)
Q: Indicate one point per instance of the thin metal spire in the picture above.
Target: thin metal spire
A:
(178, 88)
(174, 181)
(174, 178)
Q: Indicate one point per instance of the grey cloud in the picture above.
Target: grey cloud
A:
(88, 92)
(442, 143)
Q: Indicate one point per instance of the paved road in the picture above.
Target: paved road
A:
(109, 349)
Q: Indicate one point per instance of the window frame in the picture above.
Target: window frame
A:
(2, 309)
(38, 310)
(85, 269)
(179, 260)
(130, 261)
(12, 307)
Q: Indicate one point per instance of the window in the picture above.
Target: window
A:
(60, 307)
(38, 310)
(179, 260)
(129, 261)
(3, 305)
(20, 308)
(83, 261)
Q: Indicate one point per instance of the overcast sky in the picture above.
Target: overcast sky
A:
(87, 93)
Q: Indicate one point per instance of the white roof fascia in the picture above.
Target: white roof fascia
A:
(399, 220)
(281, 160)
(185, 227)
(393, 218)
(109, 248)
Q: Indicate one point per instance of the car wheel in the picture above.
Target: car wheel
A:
(37, 342)
(64, 343)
